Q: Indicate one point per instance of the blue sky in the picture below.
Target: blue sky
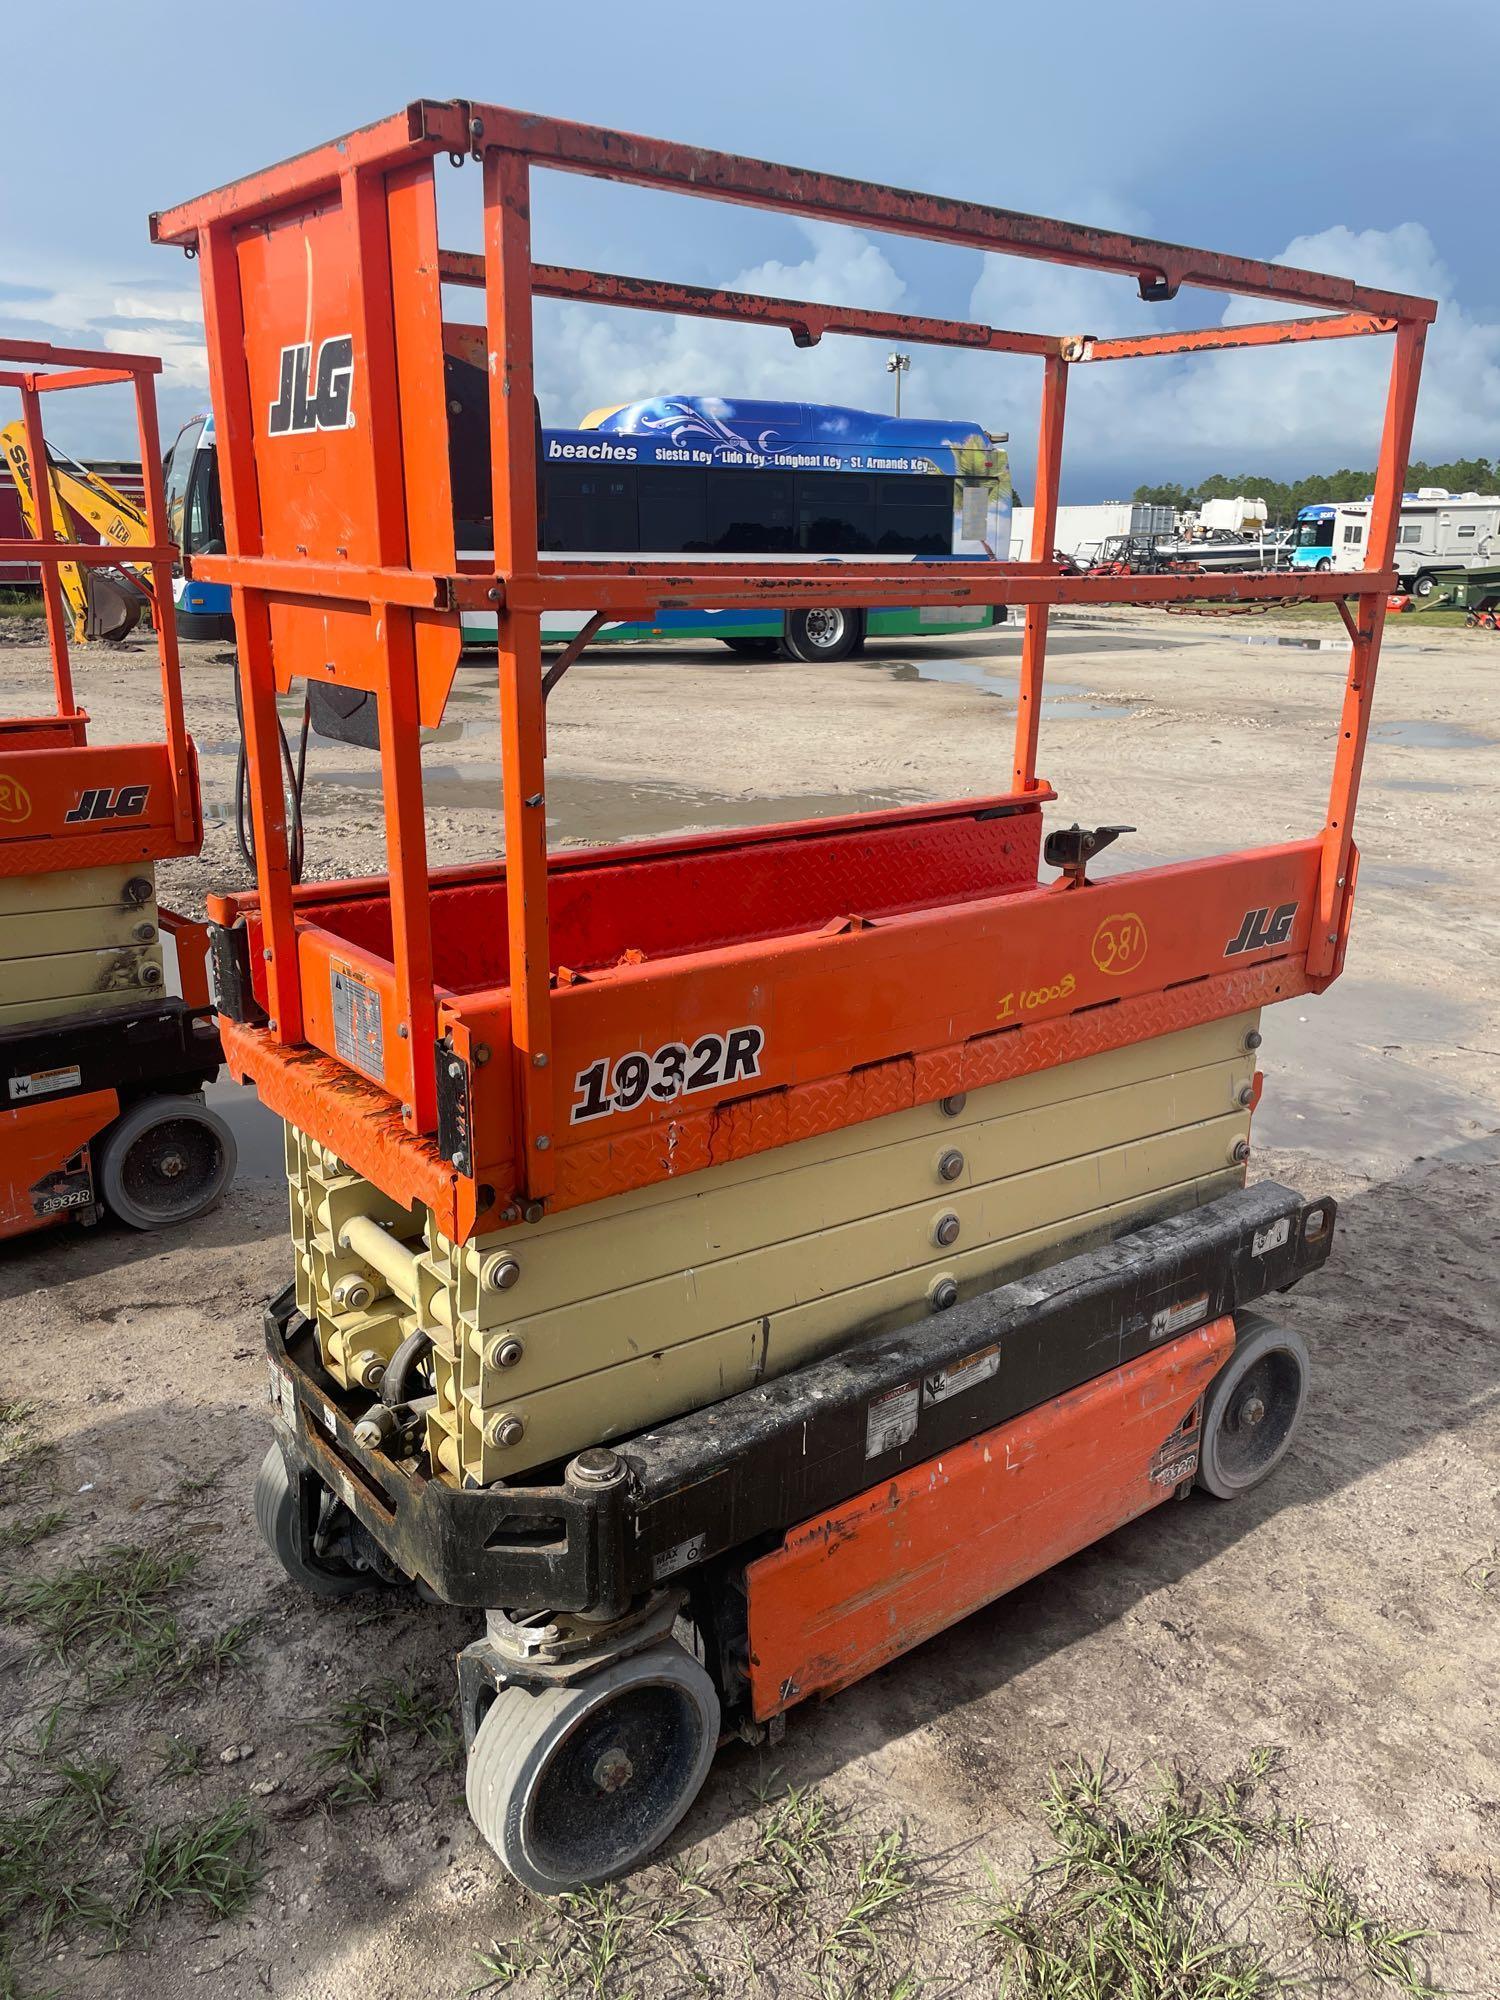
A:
(1355, 135)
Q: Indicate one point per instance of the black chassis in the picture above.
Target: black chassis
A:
(164, 1045)
(737, 1474)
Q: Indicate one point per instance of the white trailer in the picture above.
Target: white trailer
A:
(1437, 530)
(1082, 530)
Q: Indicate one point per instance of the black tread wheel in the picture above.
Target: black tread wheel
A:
(824, 633)
(276, 1502)
(1424, 585)
(166, 1160)
(572, 1784)
(1253, 1408)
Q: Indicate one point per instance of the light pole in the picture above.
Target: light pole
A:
(898, 365)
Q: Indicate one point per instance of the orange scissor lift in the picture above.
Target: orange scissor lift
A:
(103, 1066)
(724, 1261)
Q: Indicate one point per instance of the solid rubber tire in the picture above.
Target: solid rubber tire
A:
(274, 1505)
(525, 1728)
(1258, 1338)
(118, 1139)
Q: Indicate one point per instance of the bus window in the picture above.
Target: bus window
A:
(203, 514)
(591, 512)
(836, 514)
(914, 516)
(750, 513)
(176, 473)
(674, 509)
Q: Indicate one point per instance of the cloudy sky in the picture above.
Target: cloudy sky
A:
(1350, 135)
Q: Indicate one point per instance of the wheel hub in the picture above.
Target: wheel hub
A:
(613, 1770)
(171, 1164)
(825, 628)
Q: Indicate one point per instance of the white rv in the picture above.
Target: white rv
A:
(1437, 530)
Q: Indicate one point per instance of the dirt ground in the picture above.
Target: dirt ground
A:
(1344, 1615)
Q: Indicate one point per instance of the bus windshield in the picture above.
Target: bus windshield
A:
(1314, 534)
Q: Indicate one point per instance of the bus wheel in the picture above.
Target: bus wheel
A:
(823, 634)
(1325, 563)
(1424, 586)
(753, 649)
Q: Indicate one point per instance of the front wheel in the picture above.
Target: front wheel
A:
(571, 1784)
(1325, 564)
(822, 634)
(1253, 1408)
(166, 1160)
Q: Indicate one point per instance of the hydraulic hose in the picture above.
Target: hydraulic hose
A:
(407, 1358)
(294, 778)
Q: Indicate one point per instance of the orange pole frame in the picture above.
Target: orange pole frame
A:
(1043, 535)
(341, 571)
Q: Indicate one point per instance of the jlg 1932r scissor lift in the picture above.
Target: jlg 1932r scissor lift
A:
(725, 1261)
(101, 1067)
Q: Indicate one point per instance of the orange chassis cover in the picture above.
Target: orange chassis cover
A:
(855, 1587)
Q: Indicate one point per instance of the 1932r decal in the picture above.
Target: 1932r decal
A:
(675, 1069)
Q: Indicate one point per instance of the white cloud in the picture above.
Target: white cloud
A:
(1283, 412)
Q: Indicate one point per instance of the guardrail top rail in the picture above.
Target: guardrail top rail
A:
(322, 281)
(42, 826)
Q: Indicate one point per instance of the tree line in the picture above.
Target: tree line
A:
(1285, 498)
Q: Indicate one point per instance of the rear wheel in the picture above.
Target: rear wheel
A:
(753, 649)
(571, 1784)
(822, 634)
(166, 1160)
(1253, 1408)
(1424, 586)
(294, 1542)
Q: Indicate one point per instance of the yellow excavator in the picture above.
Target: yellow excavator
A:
(106, 603)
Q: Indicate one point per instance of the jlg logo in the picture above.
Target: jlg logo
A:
(100, 802)
(1258, 928)
(315, 399)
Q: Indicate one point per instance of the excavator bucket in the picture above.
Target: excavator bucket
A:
(113, 606)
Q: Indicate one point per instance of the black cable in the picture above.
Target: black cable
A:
(294, 778)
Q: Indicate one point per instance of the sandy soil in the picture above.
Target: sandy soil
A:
(1346, 1613)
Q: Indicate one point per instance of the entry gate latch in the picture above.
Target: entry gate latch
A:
(1072, 848)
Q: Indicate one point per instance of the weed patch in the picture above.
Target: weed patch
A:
(357, 1735)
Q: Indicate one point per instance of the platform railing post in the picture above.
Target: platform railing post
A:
(410, 1042)
(46, 532)
(1334, 873)
(507, 235)
(1043, 535)
(184, 806)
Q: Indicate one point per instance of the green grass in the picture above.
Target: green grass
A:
(1397, 624)
(74, 1858)
(21, 607)
(1155, 1889)
(112, 1618)
(208, 1861)
(21, 1451)
(27, 1533)
(1387, 1951)
(357, 1734)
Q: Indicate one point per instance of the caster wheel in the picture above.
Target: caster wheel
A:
(292, 1542)
(1253, 1408)
(571, 1785)
(166, 1160)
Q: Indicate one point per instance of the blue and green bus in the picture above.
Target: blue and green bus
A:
(717, 480)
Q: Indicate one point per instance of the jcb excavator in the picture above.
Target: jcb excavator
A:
(105, 603)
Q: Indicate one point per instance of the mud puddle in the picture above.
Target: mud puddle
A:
(594, 809)
(1425, 734)
(1347, 1075)
(995, 677)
